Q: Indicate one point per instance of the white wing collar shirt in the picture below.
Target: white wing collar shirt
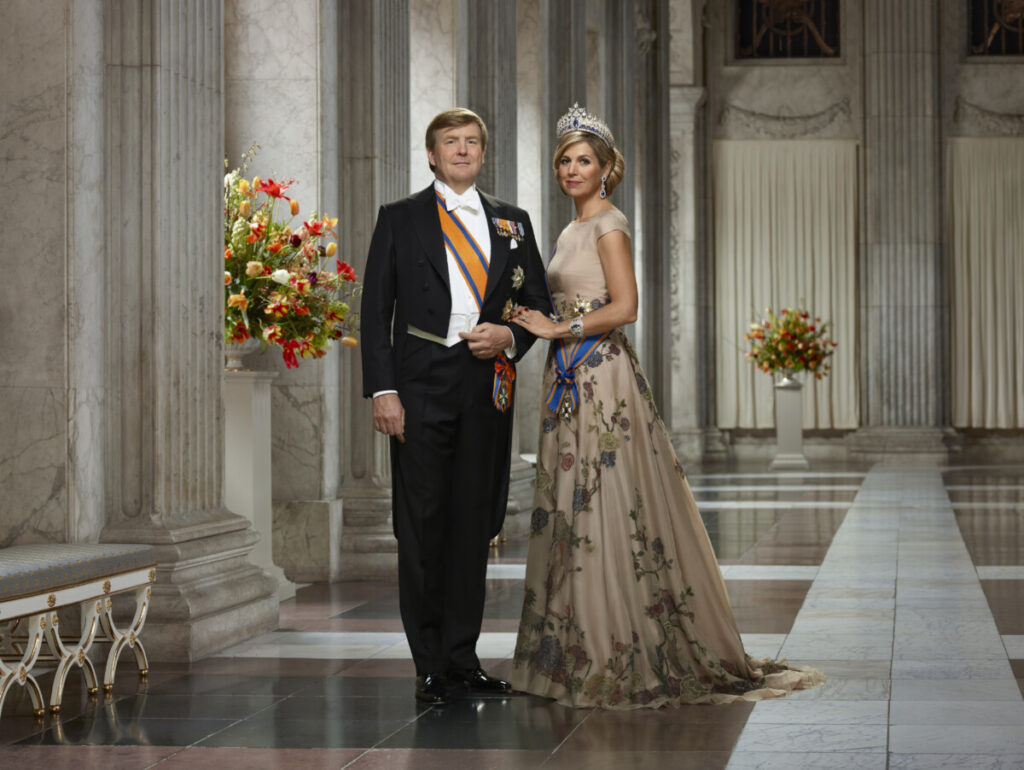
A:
(470, 210)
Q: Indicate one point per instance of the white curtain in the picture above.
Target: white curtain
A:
(985, 219)
(785, 230)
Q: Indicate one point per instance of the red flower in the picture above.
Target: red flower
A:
(288, 354)
(345, 271)
(275, 189)
(567, 460)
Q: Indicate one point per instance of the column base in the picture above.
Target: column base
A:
(876, 443)
(369, 550)
(207, 595)
(790, 462)
(696, 444)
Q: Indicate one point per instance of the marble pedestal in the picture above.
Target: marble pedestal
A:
(247, 471)
(789, 429)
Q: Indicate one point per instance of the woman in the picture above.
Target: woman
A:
(625, 606)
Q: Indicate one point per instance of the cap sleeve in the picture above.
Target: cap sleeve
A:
(609, 220)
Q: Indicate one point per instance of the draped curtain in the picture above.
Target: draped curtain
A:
(985, 220)
(785, 229)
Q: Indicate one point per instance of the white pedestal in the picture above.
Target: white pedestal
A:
(247, 479)
(789, 427)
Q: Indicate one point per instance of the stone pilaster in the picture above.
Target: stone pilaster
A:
(563, 23)
(373, 54)
(619, 55)
(902, 296)
(164, 327)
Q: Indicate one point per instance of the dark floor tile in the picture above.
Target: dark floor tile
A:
(204, 758)
(504, 599)
(448, 759)
(520, 722)
(1006, 600)
(383, 667)
(993, 537)
(183, 706)
(1018, 667)
(767, 593)
(266, 667)
(102, 729)
(661, 730)
(739, 494)
(331, 709)
(345, 686)
(1020, 684)
(565, 759)
(85, 757)
(267, 732)
(765, 620)
(233, 684)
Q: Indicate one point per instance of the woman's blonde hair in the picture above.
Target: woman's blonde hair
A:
(605, 155)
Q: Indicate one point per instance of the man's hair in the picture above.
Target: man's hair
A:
(457, 116)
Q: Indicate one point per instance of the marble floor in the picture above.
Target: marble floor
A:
(905, 584)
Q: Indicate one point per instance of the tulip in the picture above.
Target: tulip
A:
(243, 186)
(332, 249)
(227, 278)
(294, 206)
(349, 341)
(280, 276)
(239, 301)
(227, 252)
(255, 182)
(244, 208)
(253, 269)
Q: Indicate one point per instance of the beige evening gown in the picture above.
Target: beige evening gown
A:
(625, 606)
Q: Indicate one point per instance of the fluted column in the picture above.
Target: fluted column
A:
(902, 304)
(164, 325)
(564, 26)
(619, 54)
(374, 169)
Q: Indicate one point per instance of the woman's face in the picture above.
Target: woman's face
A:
(579, 171)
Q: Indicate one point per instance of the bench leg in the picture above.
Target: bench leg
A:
(75, 656)
(19, 672)
(130, 637)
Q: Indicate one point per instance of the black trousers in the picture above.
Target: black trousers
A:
(450, 476)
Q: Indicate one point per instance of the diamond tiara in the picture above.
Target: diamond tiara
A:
(578, 119)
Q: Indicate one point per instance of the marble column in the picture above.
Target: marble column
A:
(619, 59)
(164, 327)
(654, 242)
(285, 98)
(902, 297)
(373, 54)
(563, 23)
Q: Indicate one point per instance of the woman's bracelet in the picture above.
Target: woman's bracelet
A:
(576, 327)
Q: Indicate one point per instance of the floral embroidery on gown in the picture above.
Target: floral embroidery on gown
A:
(625, 606)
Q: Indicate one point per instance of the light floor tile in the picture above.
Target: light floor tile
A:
(763, 645)
(845, 689)
(955, 668)
(1014, 644)
(788, 505)
(850, 760)
(1001, 573)
(768, 572)
(906, 712)
(820, 712)
(778, 488)
(956, 761)
(506, 571)
(950, 739)
(955, 689)
(811, 738)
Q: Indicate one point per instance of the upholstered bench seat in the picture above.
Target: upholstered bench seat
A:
(38, 580)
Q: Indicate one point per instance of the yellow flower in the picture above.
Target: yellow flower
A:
(608, 442)
(255, 182)
(349, 341)
(239, 301)
(295, 207)
(243, 186)
(253, 269)
(244, 208)
(332, 249)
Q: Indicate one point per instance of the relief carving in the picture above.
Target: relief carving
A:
(737, 121)
(972, 120)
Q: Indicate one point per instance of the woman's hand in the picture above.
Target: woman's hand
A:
(536, 323)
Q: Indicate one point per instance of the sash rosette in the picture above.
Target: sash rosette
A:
(563, 397)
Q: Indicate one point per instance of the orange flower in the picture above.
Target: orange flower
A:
(227, 252)
(227, 278)
(294, 206)
(239, 301)
(349, 341)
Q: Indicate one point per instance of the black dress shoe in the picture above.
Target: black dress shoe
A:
(431, 689)
(475, 679)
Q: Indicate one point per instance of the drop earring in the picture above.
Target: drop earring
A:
(604, 193)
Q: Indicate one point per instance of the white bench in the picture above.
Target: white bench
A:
(38, 580)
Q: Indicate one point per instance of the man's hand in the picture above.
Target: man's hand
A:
(389, 416)
(487, 339)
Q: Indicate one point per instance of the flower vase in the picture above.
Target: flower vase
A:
(234, 351)
(789, 425)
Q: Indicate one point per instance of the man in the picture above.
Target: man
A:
(446, 268)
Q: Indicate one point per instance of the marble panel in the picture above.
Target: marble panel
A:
(307, 539)
(951, 668)
(812, 738)
(828, 646)
(955, 690)
(845, 689)
(433, 65)
(33, 466)
(820, 712)
(959, 712)
(963, 739)
(297, 423)
(782, 760)
(851, 669)
(265, 39)
(1001, 573)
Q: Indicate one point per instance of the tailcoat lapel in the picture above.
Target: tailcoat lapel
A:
(428, 228)
(499, 247)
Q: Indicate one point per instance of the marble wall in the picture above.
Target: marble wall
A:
(433, 73)
(34, 295)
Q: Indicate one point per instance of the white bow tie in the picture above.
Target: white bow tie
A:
(468, 200)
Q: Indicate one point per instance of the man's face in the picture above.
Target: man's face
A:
(457, 156)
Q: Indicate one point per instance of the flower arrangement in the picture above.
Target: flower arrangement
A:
(790, 342)
(277, 285)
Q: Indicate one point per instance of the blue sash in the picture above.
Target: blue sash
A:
(563, 398)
